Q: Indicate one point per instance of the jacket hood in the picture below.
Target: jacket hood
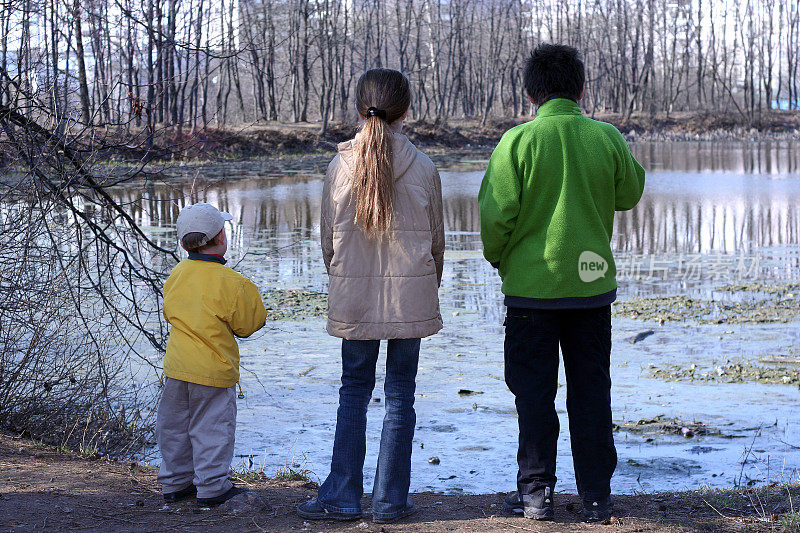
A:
(403, 152)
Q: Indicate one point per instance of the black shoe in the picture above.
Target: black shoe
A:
(312, 510)
(183, 494)
(408, 510)
(598, 510)
(512, 503)
(537, 506)
(222, 498)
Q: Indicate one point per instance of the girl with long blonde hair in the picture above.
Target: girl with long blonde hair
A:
(383, 246)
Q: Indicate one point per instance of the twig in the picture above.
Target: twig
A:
(760, 503)
(305, 372)
(747, 453)
(715, 510)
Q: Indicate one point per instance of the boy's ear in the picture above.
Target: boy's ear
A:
(583, 91)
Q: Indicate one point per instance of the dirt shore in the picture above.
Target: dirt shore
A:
(44, 489)
(270, 139)
(276, 139)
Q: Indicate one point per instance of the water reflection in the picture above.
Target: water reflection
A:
(770, 158)
(699, 213)
(701, 198)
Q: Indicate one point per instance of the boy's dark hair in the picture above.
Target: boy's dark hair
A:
(196, 242)
(554, 71)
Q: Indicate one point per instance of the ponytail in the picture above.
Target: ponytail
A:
(382, 97)
(374, 177)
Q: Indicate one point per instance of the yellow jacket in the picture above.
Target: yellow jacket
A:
(207, 303)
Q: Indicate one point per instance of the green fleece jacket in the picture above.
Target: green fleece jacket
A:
(547, 203)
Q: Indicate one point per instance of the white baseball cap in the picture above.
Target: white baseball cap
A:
(201, 218)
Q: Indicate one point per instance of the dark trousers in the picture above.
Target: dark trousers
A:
(531, 371)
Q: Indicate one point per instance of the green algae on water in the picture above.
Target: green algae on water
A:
(295, 304)
(664, 425)
(781, 289)
(730, 372)
(777, 307)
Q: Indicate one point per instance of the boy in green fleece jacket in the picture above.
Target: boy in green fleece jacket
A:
(547, 206)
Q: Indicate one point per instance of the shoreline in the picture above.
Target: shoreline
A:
(49, 489)
(315, 161)
(274, 139)
(260, 140)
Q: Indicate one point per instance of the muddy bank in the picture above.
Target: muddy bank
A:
(707, 126)
(45, 490)
(275, 139)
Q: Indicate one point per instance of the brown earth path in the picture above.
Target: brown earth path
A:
(43, 489)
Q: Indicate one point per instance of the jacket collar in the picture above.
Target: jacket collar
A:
(403, 152)
(207, 257)
(558, 106)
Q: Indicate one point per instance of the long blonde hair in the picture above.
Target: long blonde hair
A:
(382, 97)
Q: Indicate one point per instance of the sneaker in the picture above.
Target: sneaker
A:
(598, 510)
(180, 495)
(408, 510)
(222, 498)
(537, 506)
(512, 503)
(312, 510)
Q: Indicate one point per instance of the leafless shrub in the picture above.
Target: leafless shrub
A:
(81, 282)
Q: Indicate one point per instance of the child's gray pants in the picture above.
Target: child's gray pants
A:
(195, 429)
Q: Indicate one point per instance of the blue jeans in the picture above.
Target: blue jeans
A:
(342, 490)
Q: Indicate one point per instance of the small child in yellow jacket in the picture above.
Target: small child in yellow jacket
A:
(208, 305)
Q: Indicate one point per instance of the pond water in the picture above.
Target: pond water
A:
(712, 215)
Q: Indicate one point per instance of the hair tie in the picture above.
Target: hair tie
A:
(375, 112)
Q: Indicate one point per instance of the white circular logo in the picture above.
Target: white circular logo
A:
(591, 266)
